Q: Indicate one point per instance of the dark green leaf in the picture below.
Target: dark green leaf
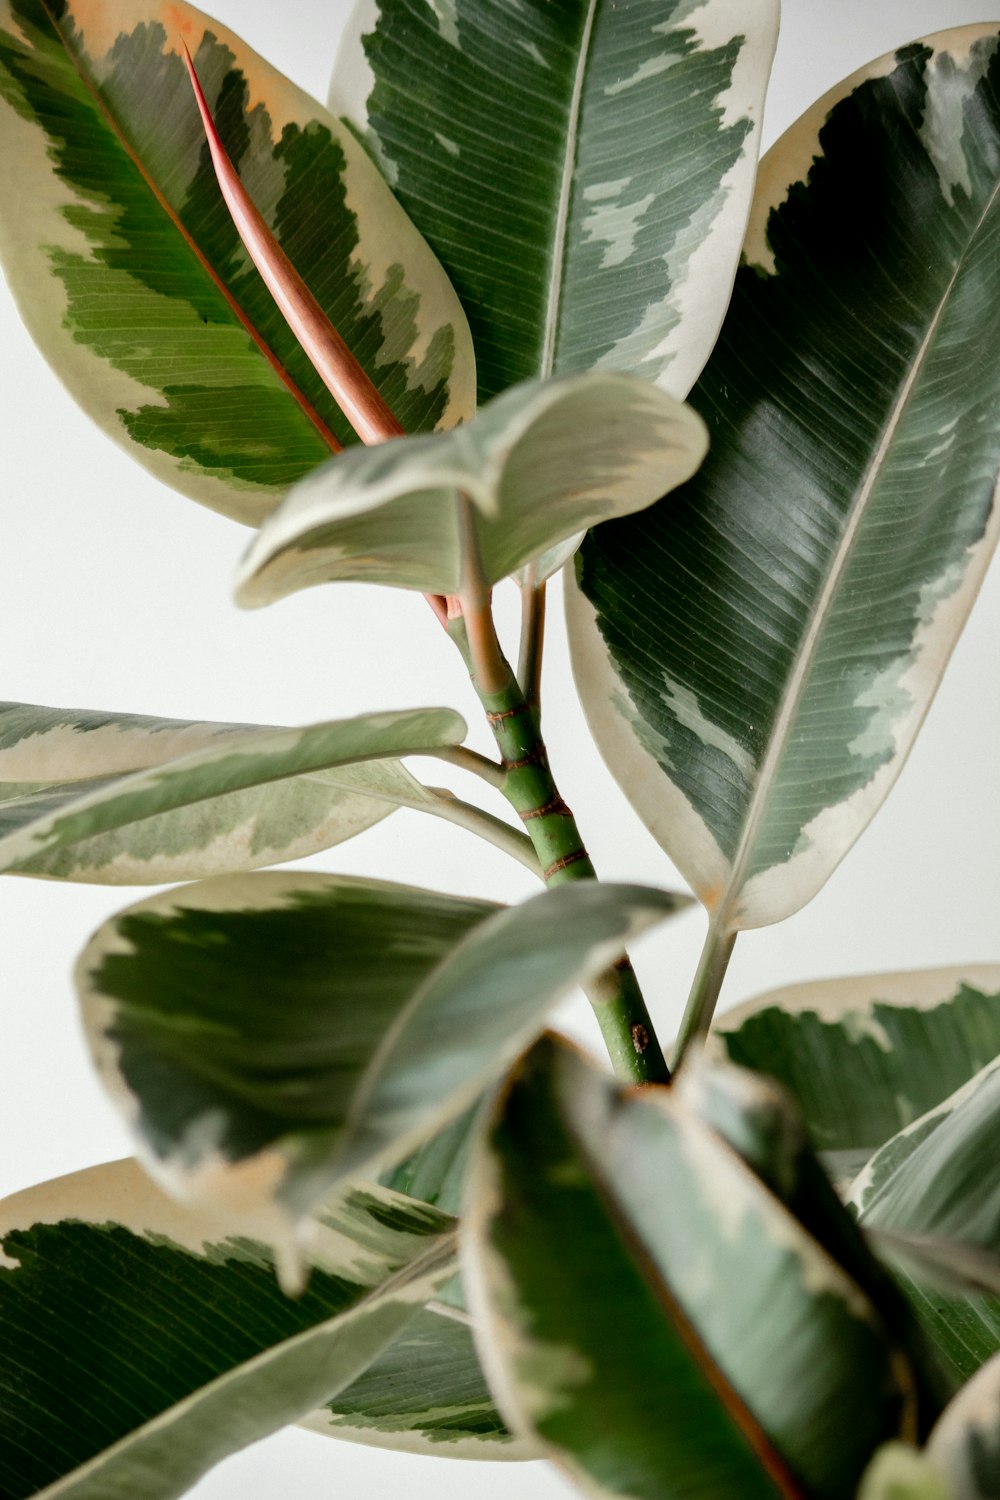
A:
(940, 1177)
(605, 229)
(757, 653)
(141, 1343)
(652, 1312)
(864, 1057)
(267, 1034)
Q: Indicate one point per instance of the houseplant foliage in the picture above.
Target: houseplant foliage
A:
(376, 1196)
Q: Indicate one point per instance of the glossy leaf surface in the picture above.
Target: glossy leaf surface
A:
(436, 1174)
(688, 1340)
(940, 1178)
(935, 1261)
(756, 653)
(134, 283)
(436, 1171)
(267, 1034)
(866, 1056)
(426, 1393)
(941, 1175)
(761, 1122)
(124, 799)
(538, 465)
(142, 1343)
(606, 230)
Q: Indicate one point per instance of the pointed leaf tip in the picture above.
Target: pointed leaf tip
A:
(343, 376)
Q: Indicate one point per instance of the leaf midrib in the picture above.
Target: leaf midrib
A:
(730, 1400)
(244, 318)
(553, 307)
(792, 697)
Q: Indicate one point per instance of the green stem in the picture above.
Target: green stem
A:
(697, 1018)
(530, 789)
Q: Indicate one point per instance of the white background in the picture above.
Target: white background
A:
(115, 595)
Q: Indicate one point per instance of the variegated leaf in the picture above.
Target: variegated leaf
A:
(134, 283)
(436, 1171)
(756, 654)
(123, 799)
(865, 1057)
(647, 1307)
(425, 1393)
(761, 1122)
(965, 1445)
(940, 1177)
(142, 1343)
(267, 1034)
(606, 230)
(952, 1266)
(536, 466)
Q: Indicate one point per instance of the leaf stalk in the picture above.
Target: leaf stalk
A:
(708, 981)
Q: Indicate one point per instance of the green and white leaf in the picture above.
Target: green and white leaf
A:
(965, 1444)
(266, 1035)
(622, 1263)
(436, 1174)
(123, 799)
(756, 654)
(142, 1343)
(941, 1175)
(940, 1179)
(606, 231)
(963, 1328)
(537, 465)
(437, 1170)
(899, 1472)
(865, 1057)
(761, 1122)
(952, 1266)
(426, 1393)
(134, 283)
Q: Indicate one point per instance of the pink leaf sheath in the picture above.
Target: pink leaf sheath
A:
(343, 376)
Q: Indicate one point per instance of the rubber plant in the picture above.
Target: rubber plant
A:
(464, 326)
